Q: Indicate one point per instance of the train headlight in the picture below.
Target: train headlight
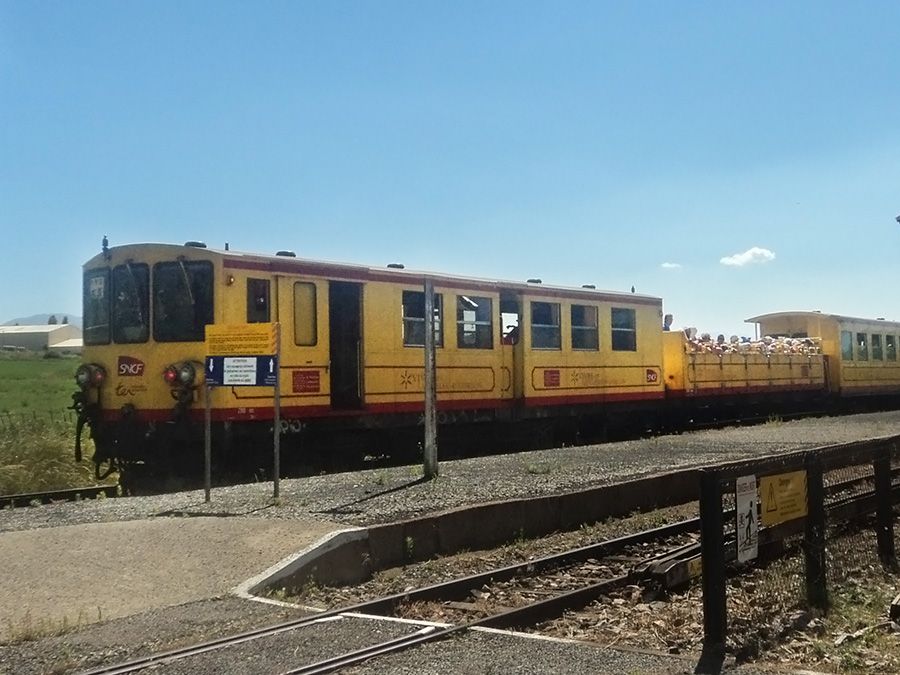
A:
(89, 375)
(182, 374)
(83, 376)
(98, 375)
(170, 375)
(186, 374)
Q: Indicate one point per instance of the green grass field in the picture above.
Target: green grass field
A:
(30, 383)
(37, 433)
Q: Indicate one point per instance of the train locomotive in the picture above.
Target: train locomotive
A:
(518, 364)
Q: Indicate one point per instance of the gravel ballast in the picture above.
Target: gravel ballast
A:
(346, 500)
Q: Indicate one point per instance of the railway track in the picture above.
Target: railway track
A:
(448, 591)
(69, 495)
(577, 577)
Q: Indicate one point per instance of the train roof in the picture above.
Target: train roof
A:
(286, 261)
(839, 318)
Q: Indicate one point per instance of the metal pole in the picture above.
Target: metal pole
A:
(814, 538)
(712, 547)
(431, 459)
(207, 445)
(884, 510)
(276, 459)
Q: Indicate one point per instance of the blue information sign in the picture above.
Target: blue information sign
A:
(241, 371)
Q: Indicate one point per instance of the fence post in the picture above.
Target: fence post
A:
(712, 548)
(884, 512)
(814, 540)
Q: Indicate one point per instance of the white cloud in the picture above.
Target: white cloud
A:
(671, 266)
(755, 255)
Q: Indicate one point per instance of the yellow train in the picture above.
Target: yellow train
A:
(518, 363)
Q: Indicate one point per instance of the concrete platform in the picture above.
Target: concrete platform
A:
(80, 574)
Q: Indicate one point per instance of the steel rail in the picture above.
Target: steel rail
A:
(528, 614)
(444, 590)
(451, 589)
(67, 495)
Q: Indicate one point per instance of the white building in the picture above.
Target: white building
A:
(58, 337)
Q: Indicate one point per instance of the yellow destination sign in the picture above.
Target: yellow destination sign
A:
(783, 497)
(244, 339)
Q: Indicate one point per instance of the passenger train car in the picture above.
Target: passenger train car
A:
(516, 361)
(862, 352)
(518, 364)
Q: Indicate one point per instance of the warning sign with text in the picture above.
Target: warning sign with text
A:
(746, 525)
(245, 339)
(783, 497)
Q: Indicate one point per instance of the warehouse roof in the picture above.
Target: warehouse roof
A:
(43, 328)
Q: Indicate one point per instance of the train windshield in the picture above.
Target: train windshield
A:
(182, 300)
(95, 305)
(131, 304)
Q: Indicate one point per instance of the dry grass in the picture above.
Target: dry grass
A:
(29, 628)
(37, 455)
(37, 433)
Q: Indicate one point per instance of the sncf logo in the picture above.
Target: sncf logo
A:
(130, 366)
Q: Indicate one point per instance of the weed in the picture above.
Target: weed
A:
(541, 468)
(280, 594)
(29, 629)
(310, 585)
(410, 546)
(520, 536)
(774, 420)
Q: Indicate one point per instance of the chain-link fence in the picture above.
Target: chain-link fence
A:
(779, 533)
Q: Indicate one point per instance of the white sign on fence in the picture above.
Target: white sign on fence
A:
(747, 521)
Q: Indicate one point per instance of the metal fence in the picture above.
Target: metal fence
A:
(780, 532)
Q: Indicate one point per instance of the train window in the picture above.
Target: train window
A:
(182, 300)
(306, 330)
(624, 332)
(545, 328)
(474, 322)
(890, 347)
(846, 345)
(258, 301)
(862, 347)
(509, 319)
(876, 348)
(414, 319)
(131, 303)
(95, 306)
(584, 328)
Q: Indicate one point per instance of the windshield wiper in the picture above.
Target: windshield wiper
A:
(187, 281)
(137, 297)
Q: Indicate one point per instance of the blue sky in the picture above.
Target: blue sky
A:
(617, 144)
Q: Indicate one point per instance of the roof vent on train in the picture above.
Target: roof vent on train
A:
(534, 281)
(195, 244)
(588, 286)
(286, 254)
(396, 266)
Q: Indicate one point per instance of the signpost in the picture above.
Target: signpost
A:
(243, 355)
(430, 468)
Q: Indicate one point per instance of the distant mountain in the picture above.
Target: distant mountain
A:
(41, 319)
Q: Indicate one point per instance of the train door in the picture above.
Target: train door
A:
(511, 331)
(345, 330)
